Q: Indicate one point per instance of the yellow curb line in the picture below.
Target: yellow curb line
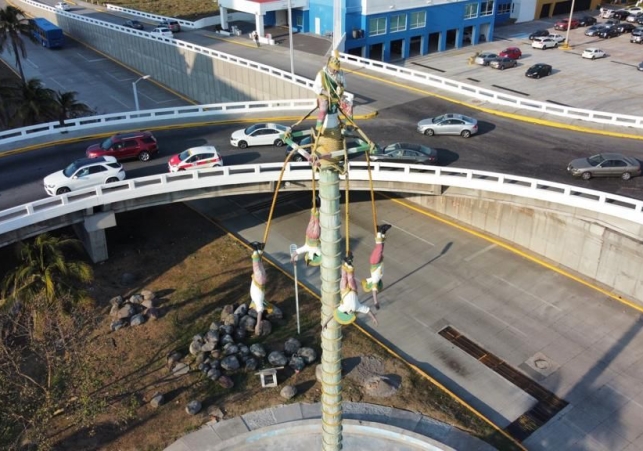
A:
(517, 117)
(386, 348)
(517, 251)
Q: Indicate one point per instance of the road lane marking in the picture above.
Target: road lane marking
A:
(480, 252)
(119, 101)
(412, 234)
(527, 293)
(493, 316)
(88, 60)
(120, 79)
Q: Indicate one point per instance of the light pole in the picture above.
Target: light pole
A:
(292, 52)
(144, 77)
(569, 26)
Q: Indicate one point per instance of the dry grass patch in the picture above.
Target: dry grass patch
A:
(187, 9)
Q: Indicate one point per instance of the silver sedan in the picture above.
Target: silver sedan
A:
(605, 165)
(449, 124)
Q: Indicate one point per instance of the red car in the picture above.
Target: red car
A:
(511, 52)
(122, 146)
(563, 24)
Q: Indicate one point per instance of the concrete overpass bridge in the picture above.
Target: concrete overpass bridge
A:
(593, 233)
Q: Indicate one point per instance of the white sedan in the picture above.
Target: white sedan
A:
(259, 135)
(593, 53)
(162, 31)
(84, 173)
(559, 38)
(202, 157)
(63, 5)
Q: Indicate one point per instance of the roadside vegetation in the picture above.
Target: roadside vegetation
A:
(28, 102)
(67, 382)
(188, 10)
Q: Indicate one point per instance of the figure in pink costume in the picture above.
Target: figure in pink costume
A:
(311, 249)
(348, 291)
(374, 283)
(258, 284)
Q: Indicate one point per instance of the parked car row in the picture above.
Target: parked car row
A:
(165, 28)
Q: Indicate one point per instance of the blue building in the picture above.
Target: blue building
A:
(384, 30)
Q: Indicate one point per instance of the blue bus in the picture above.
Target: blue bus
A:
(48, 34)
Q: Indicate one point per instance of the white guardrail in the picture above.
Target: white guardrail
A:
(201, 23)
(492, 96)
(157, 115)
(42, 210)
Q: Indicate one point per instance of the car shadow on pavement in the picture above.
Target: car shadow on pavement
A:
(240, 158)
(446, 157)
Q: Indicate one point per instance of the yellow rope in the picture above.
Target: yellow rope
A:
(274, 198)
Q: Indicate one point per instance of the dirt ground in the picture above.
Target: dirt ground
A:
(195, 268)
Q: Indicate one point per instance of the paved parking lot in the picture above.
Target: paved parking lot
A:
(610, 84)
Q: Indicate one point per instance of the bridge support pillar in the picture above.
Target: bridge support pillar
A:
(91, 233)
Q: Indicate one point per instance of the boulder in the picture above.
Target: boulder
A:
(297, 363)
(148, 295)
(226, 339)
(157, 400)
(240, 334)
(173, 358)
(276, 314)
(251, 364)
(216, 354)
(231, 320)
(147, 303)
(117, 300)
(226, 329)
(180, 369)
(225, 382)
(208, 346)
(213, 374)
(204, 367)
(117, 324)
(227, 311)
(243, 350)
(215, 412)
(291, 346)
(137, 320)
(248, 323)
(288, 392)
(212, 336)
(200, 358)
(308, 354)
(113, 311)
(195, 346)
(135, 299)
(266, 327)
(258, 351)
(277, 358)
(242, 310)
(214, 326)
(215, 363)
(230, 349)
(252, 313)
(126, 311)
(193, 407)
(230, 363)
(380, 386)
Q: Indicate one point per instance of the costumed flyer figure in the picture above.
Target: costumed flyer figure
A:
(374, 283)
(349, 304)
(329, 84)
(312, 247)
(258, 285)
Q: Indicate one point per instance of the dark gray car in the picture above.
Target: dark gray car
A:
(406, 153)
(605, 165)
(503, 63)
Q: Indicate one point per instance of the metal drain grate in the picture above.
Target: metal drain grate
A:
(548, 403)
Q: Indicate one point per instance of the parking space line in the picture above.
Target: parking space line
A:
(493, 316)
(88, 60)
(121, 102)
(479, 253)
(120, 79)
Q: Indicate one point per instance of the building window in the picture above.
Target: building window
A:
(398, 23)
(487, 8)
(299, 21)
(471, 10)
(418, 20)
(377, 27)
(504, 8)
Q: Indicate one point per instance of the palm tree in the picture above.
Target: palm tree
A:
(13, 24)
(44, 270)
(7, 104)
(68, 107)
(35, 103)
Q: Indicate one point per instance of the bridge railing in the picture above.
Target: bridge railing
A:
(398, 177)
(157, 115)
(493, 96)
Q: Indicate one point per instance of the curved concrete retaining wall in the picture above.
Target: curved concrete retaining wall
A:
(197, 72)
(593, 245)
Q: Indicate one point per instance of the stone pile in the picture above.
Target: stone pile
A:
(221, 351)
(134, 311)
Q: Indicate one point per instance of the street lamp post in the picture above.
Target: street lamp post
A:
(569, 26)
(292, 53)
(144, 77)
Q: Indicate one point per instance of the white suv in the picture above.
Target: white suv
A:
(84, 173)
(544, 43)
(63, 5)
